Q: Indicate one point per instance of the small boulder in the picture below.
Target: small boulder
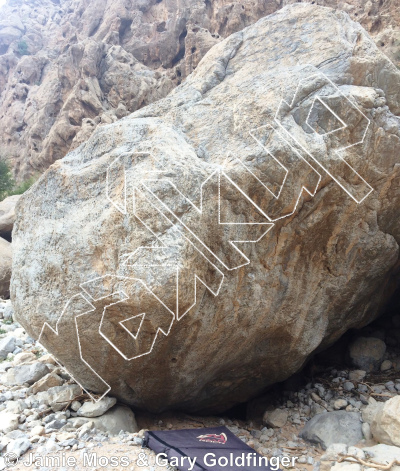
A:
(8, 421)
(37, 430)
(54, 425)
(385, 426)
(7, 214)
(367, 353)
(333, 427)
(340, 404)
(19, 446)
(58, 397)
(24, 357)
(276, 418)
(8, 313)
(386, 365)
(96, 409)
(28, 374)
(76, 405)
(116, 419)
(47, 358)
(5, 267)
(7, 345)
(49, 381)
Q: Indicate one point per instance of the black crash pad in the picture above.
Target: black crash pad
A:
(214, 449)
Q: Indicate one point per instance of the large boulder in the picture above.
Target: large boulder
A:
(201, 249)
(5, 267)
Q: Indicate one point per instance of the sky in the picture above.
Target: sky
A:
(2, 2)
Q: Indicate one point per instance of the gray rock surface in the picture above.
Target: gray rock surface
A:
(29, 374)
(95, 409)
(58, 397)
(116, 419)
(7, 345)
(308, 279)
(19, 446)
(333, 427)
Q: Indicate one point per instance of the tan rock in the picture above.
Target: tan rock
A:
(276, 418)
(47, 358)
(36, 431)
(24, 357)
(48, 381)
(357, 375)
(385, 426)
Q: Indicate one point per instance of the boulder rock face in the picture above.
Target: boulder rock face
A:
(201, 249)
(66, 68)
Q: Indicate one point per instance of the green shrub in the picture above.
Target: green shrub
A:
(7, 182)
(8, 186)
(22, 187)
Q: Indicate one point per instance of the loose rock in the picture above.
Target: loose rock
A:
(367, 353)
(333, 427)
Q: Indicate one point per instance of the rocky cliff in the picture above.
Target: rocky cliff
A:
(68, 66)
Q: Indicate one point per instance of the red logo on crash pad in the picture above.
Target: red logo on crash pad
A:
(213, 438)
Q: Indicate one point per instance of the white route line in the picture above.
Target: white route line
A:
(124, 298)
(200, 211)
(337, 151)
(344, 125)
(215, 293)
(303, 188)
(80, 350)
(118, 159)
